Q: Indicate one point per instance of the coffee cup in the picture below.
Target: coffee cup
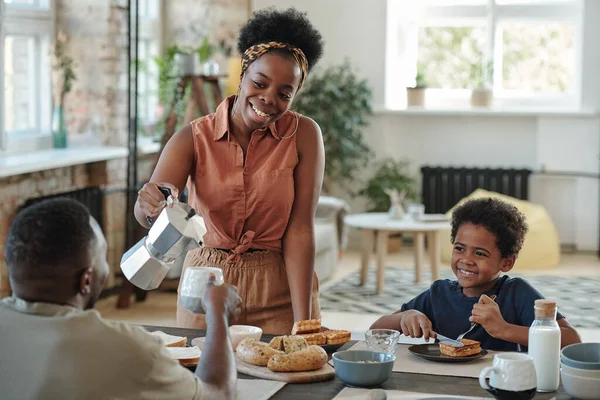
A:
(193, 285)
(512, 377)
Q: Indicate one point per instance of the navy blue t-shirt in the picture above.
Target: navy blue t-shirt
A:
(449, 309)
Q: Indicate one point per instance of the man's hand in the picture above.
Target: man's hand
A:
(222, 299)
(416, 324)
(487, 314)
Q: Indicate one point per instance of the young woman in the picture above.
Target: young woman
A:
(254, 171)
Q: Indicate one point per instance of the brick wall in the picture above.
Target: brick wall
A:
(97, 105)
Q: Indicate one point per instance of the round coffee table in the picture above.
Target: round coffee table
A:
(379, 226)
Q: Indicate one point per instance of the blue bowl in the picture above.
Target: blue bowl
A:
(581, 356)
(351, 368)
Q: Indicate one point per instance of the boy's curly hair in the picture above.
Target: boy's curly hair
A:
(504, 220)
(290, 26)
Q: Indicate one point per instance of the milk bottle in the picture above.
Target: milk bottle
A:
(544, 346)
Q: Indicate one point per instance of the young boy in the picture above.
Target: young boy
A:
(487, 235)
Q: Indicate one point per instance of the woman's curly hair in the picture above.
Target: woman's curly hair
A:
(290, 26)
(504, 220)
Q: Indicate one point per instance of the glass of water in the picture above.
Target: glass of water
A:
(193, 285)
(384, 340)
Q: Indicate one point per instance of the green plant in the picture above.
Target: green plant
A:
(481, 75)
(63, 75)
(206, 50)
(389, 174)
(340, 103)
(421, 83)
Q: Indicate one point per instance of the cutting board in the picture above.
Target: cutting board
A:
(324, 374)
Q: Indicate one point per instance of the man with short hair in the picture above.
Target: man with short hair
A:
(55, 346)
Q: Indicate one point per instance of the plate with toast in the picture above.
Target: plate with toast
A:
(443, 352)
(330, 340)
(176, 346)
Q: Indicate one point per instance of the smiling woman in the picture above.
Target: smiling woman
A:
(254, 171)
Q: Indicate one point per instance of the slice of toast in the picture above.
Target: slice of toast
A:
(471, 347)
(337, 336)
(170, 340)
(306, 326)
(315, 338)
(185, 355)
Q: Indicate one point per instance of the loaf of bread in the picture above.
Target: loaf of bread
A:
(471, 347)
(288, 343)
(308, 359)
(255, 352)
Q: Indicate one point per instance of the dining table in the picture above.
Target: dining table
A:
(410, 382)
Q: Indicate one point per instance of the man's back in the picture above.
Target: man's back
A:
(59, 352)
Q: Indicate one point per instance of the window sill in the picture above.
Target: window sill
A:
(17, 164)
(534, 112)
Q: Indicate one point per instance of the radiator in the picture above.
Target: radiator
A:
(91, 197)
(443, 187)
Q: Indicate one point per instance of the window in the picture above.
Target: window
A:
(149, 44)
(528, 46)
(26, 28)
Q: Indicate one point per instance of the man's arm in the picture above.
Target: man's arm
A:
(217, 369)
(299, 238)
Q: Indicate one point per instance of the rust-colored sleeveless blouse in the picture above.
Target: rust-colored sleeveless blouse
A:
(244, 205)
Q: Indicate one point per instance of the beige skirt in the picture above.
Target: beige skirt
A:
(261, 279)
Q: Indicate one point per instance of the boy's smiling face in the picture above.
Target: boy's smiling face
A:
(476, 259)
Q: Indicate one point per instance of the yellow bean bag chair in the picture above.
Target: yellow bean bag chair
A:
(541, 248)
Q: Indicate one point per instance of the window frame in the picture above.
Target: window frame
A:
(402, 33)
(28, 20)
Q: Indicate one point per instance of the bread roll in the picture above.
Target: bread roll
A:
(255, 352)
(308, 359)
(292, 344)
(277, 343)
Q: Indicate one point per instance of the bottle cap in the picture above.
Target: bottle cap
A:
(545, 308)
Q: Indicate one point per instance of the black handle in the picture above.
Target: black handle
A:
(165, 191)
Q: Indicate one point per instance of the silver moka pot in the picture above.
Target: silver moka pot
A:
(177, 230)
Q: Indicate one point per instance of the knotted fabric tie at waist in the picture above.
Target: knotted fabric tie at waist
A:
(243, 245)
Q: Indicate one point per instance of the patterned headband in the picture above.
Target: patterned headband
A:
(257, 51)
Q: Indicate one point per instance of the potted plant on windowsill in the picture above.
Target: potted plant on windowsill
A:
(390, 175)
(415, 96)
(63, 76)
(481, 77)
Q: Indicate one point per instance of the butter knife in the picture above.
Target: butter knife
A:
(449, 341)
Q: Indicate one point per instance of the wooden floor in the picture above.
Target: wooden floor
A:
(159, 308)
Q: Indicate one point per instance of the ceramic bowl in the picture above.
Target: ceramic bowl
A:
(363, 368)
(237, 333)
(584, 373)
(580, 387)
(581, 356)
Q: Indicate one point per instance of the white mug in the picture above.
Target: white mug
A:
(193, 285)
(512, 376)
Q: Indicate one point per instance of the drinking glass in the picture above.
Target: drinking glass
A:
(193, 285)
(384, 340)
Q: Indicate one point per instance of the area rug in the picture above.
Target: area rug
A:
(578, 298)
